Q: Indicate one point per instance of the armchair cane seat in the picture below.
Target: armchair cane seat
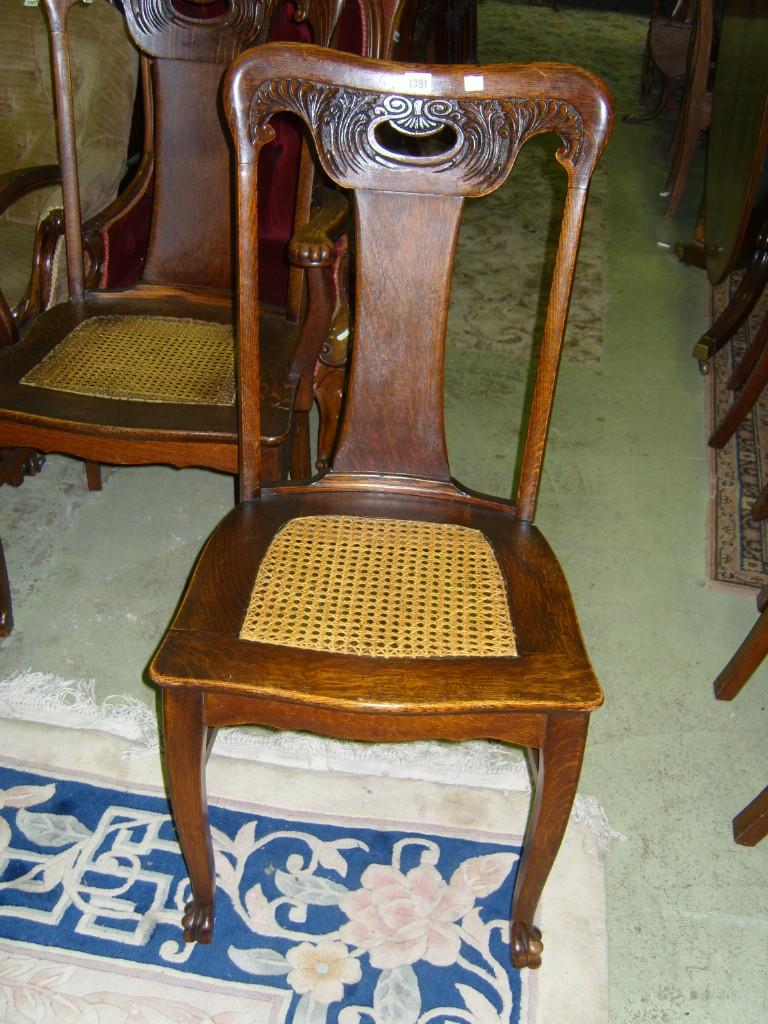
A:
(382, 587)
(134, 369)
(142, 359)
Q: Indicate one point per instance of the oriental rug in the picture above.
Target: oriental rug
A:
(507, 235)
(739, 470)
(332, 907)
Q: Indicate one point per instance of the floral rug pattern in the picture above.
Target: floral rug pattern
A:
(505, 237)
(345, 924)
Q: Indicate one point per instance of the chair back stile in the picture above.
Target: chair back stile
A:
(56, 11)
(408, 209)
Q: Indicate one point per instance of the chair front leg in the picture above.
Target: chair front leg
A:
(187, 739)
(558, 766)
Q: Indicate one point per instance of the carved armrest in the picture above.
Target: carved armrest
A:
(312, 245)
(13, 186)
(122, 203)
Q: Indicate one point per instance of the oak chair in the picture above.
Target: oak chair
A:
(145, 374)
(383, 601)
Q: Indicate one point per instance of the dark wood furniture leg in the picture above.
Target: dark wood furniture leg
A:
(93, 475)
(760, 508)
(750, 389)
(6, 608)
(748, 657)
(751, 824)
(557, 768)
(741, 374)
(15, 464)
(187, 745)
(741, 305)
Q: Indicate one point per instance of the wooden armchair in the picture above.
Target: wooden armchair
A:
(384, 601)
(145, 374)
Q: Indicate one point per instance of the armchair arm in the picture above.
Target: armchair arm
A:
(312, 248)
(14, 185)
(128, 212)
(312, 245)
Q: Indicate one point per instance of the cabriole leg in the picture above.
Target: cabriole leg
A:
(186, 750)
(558, 768)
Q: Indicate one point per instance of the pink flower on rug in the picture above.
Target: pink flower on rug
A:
(399, 919)
(322, 970)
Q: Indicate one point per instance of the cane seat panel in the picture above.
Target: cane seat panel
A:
(142, 359)
(381, 587)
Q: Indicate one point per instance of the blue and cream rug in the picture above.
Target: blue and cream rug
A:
(346, 900)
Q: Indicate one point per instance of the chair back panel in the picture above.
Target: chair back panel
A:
(414, 142)
(160, 29)
(190, 241)
(405, 251)
(191, 234)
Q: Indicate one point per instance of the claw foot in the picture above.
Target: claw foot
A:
(527, 946)
(198, 922)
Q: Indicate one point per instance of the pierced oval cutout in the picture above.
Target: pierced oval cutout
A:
(416, 147)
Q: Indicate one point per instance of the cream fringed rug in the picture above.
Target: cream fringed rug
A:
(92, 885)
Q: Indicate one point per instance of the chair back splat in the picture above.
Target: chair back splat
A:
(412, 157)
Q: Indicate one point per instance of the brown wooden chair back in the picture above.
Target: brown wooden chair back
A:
(413, 144)
(190, 244)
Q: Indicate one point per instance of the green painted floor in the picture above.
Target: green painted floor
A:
(624, 503)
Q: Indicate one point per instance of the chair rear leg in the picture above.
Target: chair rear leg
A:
(741, 305)
(186, 751)
(558, 766)
(751, 824)
(93, 475)
(744, 662)
(742, 404)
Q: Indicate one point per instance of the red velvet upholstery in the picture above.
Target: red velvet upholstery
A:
(278, 178)
(352, 30)
(126, 247)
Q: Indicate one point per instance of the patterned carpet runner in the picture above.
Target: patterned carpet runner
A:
(738, 542)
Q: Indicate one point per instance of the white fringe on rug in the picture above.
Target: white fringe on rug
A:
(47, 698)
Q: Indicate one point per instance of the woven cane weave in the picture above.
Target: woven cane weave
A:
(382, 587)
(143, 359)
